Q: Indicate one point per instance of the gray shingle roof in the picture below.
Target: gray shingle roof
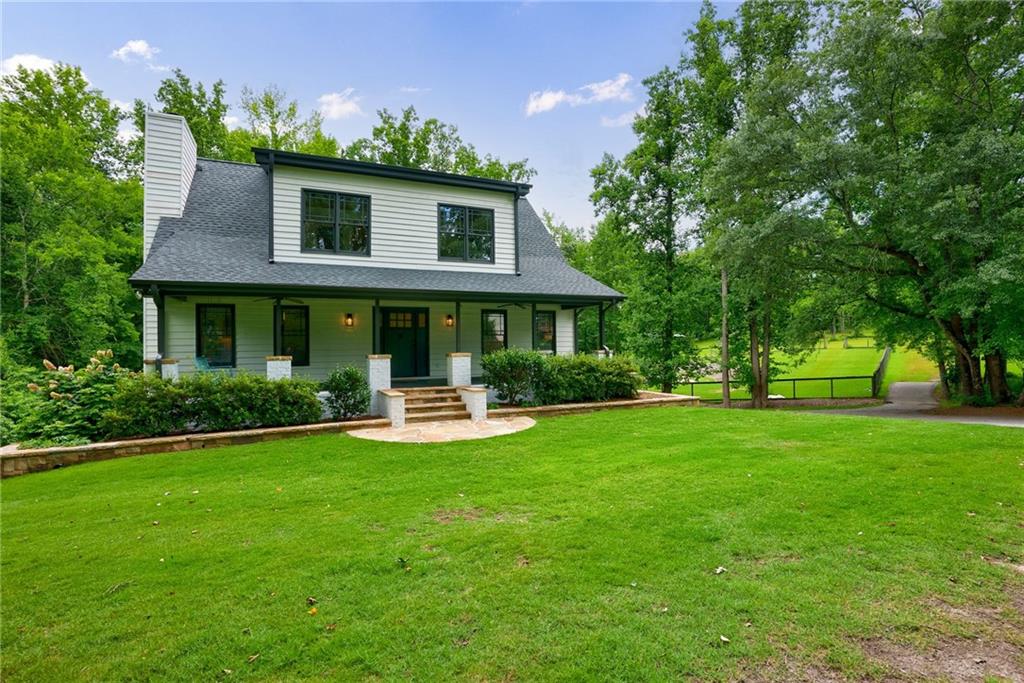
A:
(222, 240)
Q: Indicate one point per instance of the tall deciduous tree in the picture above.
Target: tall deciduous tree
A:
(71, 221)
(204, 111)
(647, 191)
(431, 144)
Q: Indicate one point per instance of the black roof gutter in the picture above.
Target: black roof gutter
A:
(270, 157)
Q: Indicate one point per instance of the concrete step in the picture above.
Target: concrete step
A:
(412, 391)
(414, 399)
(438, 416)
(432, 407)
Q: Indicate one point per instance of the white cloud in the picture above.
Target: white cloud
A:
(340, 105)
(623, 119)
(412, 89)
(29, 61)
(232, 122)
(122, 105)
(602, 91)
(135, 49)
(613, 89)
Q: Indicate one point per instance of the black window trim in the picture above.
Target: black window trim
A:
(465, 235)
(483, 316)
(554, 331)
(337, 251)
(234, 337)
(309, 333)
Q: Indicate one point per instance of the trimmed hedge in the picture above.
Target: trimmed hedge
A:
(516, 374)
(209, 402)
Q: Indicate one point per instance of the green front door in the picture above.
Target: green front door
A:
(405, 337)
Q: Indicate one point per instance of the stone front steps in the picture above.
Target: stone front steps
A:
(430, 404)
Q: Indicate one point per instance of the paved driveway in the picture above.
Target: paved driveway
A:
(914, 400)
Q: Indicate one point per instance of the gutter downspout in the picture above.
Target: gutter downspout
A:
(270, 234)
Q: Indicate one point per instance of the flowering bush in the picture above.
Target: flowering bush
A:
(69, 403)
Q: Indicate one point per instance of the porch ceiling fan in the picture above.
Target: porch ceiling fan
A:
(510, 305)
(282, 298)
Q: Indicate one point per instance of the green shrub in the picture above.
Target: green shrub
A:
(586, 379)
(146, 405)
(512, 373)
(348, 393)
(218, 402)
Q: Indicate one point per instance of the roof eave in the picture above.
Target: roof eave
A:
(273, 157)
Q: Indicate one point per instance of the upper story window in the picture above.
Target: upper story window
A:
(336, 223)
(465, 233)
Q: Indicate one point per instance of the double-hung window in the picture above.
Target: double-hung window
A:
(465, 233)
(295, 334)
(336, 223)
(493, 331)
(544, 331)
(215, 334)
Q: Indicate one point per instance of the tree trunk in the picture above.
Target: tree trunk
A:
(755, 366)
(842, 326)
(765, 356)
(995, 377)
(726, 402)
(941, 362)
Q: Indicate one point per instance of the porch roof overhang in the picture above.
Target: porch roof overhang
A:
(171, 288)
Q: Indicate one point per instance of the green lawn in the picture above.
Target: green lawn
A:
(834, 361)
(583, 548)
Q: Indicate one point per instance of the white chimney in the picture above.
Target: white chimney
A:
(168, 166)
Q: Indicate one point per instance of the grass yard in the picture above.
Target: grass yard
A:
(584, 548)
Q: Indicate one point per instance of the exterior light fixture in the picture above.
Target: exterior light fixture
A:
(349, 320)
(449, 320)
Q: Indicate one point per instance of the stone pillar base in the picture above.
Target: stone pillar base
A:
(393, 406)
(475, 399)
(378, 376)
(279, 367)
(460, 372)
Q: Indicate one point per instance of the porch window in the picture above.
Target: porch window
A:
(494, 331)
(544, 331)
(295, 334)
(465, 233)
(335, 222)
(215, 334)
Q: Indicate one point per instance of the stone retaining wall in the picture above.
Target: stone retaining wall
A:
(41, 459)
(645, 399)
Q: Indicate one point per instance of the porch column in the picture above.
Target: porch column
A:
(277, 331)
(458, 327)
(533, 326)
(378, 376)
(600, 328)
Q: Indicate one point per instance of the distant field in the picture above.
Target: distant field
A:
(861, 358)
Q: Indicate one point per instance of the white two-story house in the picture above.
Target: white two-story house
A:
(327, 261)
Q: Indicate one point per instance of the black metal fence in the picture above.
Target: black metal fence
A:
(872, 384)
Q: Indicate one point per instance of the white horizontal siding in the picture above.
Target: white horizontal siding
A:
(331, 343)
(169, 164)
(403, 220)
(565, 333)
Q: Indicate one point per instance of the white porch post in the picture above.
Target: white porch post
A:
(460, 369)
(279, 367)
(378, 376)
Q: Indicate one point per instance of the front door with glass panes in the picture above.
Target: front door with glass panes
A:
(405, 337)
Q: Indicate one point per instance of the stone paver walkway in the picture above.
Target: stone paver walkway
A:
(448, 430)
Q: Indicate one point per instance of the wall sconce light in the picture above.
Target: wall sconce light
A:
(349, 320)
(449, 320)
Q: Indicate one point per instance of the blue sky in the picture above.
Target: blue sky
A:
(556, 83)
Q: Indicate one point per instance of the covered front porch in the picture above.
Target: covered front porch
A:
(309, 335)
